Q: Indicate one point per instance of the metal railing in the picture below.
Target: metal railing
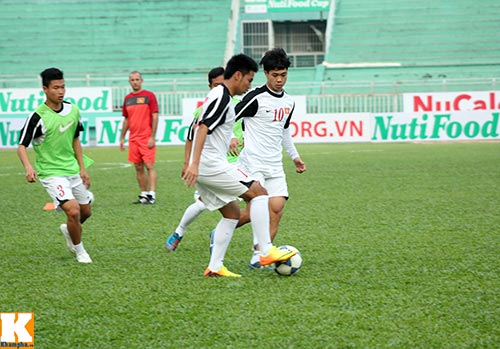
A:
(322, 96)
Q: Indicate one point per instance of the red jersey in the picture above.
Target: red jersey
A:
(138, 109)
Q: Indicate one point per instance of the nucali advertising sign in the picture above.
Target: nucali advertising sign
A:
(451, 101)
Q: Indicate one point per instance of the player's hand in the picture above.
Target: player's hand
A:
(234, 147)
(122, 145)
(300, 166)
(191, 175)
(85, 178)
(31, 175)
(151, 143)
(184, 167)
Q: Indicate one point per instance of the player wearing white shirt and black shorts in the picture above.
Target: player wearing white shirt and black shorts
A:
(266, 113)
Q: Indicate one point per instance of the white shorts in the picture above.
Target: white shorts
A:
(220, 189)
(62, 189)
(273, 179)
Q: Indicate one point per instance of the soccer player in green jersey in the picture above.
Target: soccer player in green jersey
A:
(54, 128)
(215, 78)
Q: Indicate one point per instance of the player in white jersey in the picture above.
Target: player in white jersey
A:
(220, 183)
(266, 113)
(193, 211)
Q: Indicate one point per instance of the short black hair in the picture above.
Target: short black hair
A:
(241, 63)
(50, 74)
(275, 59)
(212, 74)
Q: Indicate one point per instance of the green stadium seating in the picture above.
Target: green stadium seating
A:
(395, 46)
(423, 40)
(87, 36)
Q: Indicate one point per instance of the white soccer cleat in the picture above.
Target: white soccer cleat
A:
(83, 257)
(63, 228)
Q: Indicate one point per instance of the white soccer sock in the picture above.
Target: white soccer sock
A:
(222, 236)
(191, 213)
(255, 257)
(259, 219)
(144, 193)
(153, 194)
(79, 248)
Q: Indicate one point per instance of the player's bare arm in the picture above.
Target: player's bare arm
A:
(30, 171)
(154, 127)
(187, 155)
(191, 174)
(124, 132)
(77, 147)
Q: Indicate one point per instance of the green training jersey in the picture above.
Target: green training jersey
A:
(54, 151)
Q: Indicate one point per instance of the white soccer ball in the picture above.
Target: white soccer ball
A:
(290, 266)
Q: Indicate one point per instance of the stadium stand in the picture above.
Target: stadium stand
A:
(387, 42)
(171, 39)
(375, 50)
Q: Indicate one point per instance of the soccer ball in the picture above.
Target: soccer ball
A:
(290, 266)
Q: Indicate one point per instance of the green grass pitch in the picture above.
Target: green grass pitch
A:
(401, 246)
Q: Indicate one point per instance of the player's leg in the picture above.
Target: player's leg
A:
(221, 239)
(60, 190)
(84, 198)
(276, 206)
(142, 178)
(244, 215)
(259, 219)
(219, 192)
(278, 194)
(149, 157)
(189, 216)
(72, 210)
(135, 157)
(151, 181)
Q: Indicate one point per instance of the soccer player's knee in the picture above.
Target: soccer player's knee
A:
(73, 213)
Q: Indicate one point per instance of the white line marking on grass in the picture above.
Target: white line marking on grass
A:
(341, 151)
(115, 165)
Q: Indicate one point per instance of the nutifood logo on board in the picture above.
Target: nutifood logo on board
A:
(17, 330)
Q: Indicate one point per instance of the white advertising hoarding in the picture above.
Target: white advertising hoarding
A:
(330, 128)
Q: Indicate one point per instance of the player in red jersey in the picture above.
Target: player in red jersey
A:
(140, 112)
